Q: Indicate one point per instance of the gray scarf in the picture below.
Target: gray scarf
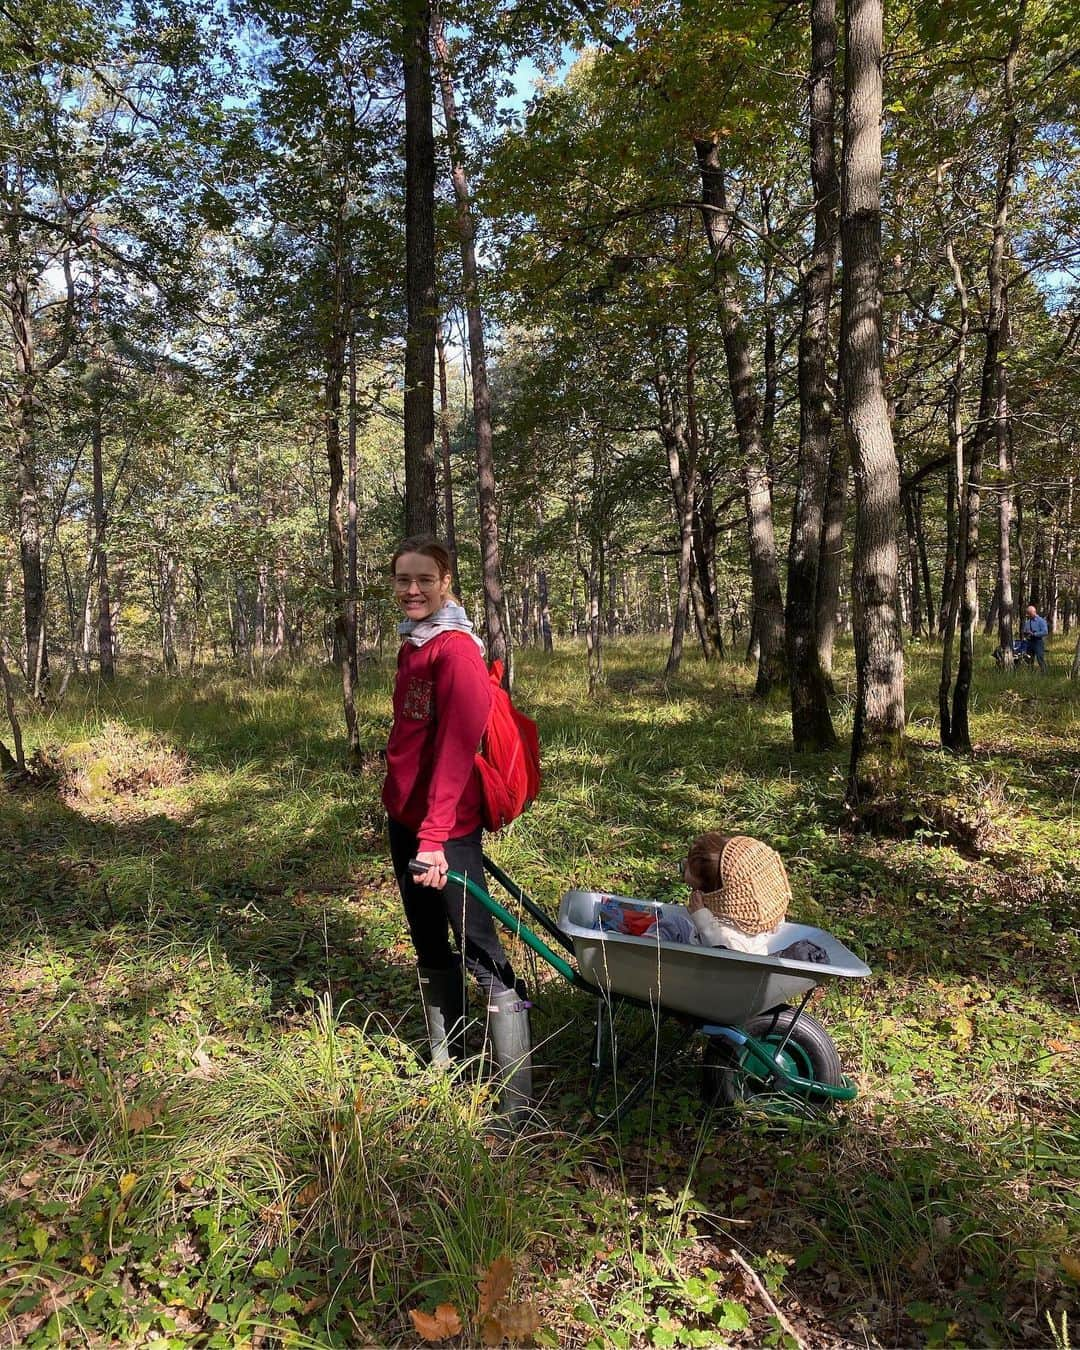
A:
(451, 618)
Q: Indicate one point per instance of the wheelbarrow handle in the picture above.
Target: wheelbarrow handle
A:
(511, 922)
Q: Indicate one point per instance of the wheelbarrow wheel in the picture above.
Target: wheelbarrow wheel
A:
(809, 1052)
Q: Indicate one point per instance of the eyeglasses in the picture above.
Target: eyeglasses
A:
(425, 583)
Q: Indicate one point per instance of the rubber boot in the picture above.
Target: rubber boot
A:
(444, 1013)
(511, 1049)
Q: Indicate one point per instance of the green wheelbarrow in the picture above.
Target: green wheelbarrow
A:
(760, 1041)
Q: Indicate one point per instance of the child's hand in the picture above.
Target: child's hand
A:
(695, 902)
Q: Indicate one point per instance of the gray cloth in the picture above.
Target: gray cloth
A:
(804, 950)
(675, 927)
(450, 619)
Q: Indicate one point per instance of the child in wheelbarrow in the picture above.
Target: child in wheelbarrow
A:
(739, 896)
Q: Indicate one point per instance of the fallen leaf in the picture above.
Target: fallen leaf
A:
(89, 1263)
(204, 1066)
(144, 1116)
(437, 1326)
(491, 1331)
(308, 1194)
(495, 1283)
(127, 1184)
(1070, 1264)
(519, 1321)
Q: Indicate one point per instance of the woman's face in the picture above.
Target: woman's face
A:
(419, 589)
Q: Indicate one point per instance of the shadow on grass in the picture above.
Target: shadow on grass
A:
(883, 1218)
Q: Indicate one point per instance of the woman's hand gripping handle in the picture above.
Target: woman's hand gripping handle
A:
(430, 868)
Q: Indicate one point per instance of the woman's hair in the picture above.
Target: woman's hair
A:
(429, 547)
(703, 860)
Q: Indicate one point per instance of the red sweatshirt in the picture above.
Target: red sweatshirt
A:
(442, 698)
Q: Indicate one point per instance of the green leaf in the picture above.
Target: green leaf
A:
(733, 1316)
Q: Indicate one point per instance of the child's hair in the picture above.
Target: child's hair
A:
(741, 880)
(429, 547)
(703, 860)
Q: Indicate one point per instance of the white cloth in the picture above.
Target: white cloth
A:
(713, 932)
(451, 618)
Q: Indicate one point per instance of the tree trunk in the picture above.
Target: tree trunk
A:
(924, 560)
(419, 406)
(99, 514)
(877, 749)
(683, 482)
(104, 603)
(167, 580)
(712, 644)
(949, 565)
(449, 524)
(764, 574)
(954, 556)
(335, 361)
(990, 622)
(1005, 514)
(498, 639)
(543, 604)
(811, 724)
(21, 415)
(996, 337)
(831, 561)
(352, 598)
(705, 555)
(914, 587)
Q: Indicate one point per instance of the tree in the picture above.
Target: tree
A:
(420, 281)
(878, 763)
(746, 405)
(494, 601)
(811, 724)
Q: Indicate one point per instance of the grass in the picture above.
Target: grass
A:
(215, 1127)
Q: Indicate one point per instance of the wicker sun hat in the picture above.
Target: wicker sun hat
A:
(754, 889)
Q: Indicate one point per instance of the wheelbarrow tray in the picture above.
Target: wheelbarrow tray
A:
(712, 984)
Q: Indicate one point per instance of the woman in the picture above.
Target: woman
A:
(442, 697)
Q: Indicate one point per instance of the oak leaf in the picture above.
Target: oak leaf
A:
(495, 1283)
(437, 1326)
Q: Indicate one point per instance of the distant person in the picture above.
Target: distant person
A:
(1035, 630)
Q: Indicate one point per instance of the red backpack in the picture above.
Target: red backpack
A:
(509, 758)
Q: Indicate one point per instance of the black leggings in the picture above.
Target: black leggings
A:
(432, 914)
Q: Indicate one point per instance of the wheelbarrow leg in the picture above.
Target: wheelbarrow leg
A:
(601, 1058)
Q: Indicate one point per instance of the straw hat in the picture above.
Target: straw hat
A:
(754, 889)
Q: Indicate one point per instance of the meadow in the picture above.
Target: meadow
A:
(217, 1128)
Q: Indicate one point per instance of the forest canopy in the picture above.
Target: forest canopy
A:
(235, 238)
